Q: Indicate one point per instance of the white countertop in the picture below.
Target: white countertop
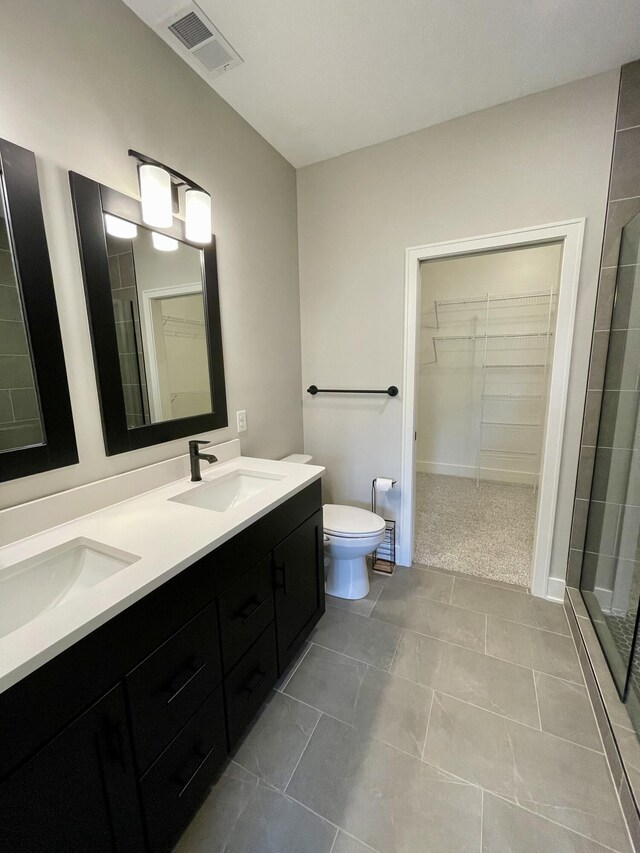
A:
(166, 535)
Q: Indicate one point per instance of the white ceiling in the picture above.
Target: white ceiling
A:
(322, 77)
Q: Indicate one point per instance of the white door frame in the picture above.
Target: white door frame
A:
(570, 233)
(149, 342)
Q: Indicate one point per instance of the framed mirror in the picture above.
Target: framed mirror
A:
(154, 312)
(36, 423)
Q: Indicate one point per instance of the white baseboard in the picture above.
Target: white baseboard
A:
(555, 590)
(500, 474)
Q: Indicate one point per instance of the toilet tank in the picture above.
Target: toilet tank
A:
(301, 458)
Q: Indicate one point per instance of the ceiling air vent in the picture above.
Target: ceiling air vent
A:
(203, 42)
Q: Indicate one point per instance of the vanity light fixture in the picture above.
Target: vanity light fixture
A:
(117, 227)
(197, 208)
(155, 195)
(159, 187)
(163, 243)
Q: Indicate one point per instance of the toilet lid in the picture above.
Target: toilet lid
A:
(351, 521)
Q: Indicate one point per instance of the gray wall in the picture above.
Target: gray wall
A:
(537, 160)
(615, 451)
(82, 82)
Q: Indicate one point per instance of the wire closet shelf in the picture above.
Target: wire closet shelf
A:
(514, 364)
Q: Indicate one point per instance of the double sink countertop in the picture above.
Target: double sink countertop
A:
(155, 533)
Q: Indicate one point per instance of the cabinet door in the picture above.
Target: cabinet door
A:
(79, 792)
(298, 569)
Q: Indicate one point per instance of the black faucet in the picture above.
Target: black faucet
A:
(194, 458)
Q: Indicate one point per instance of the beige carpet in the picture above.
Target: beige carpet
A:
(484, 530)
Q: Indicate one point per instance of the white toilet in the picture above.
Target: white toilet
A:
(350, 534)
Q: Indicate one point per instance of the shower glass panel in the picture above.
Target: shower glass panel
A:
(610, 581)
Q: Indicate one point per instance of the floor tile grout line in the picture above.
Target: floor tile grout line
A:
(457, 645)
(310, 810)
(435, 690)
(459, 607)
(295, 669)
(284, 790)
(335, 838)
(535, 690)
(468, 610)
(481, 816)
(337, 826)
(558, 678)
(360, 661)
(456, 776)
(265, 784)
(360, 731)
(359, 840)
(515, 722)
(442, 692)
(463, 576)
(550, 820)
(395, 652)
(616, 788)
(426, 731)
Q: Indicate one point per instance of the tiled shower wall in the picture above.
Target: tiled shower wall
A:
(19, 413)
(623, 204)
(126, 312)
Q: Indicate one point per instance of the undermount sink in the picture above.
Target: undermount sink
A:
(230, 490)
(39, 584)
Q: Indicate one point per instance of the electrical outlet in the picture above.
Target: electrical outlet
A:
(242, 420)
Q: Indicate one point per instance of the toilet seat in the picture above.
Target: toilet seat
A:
(350, 522)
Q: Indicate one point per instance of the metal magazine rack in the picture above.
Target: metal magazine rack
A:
(383, 558)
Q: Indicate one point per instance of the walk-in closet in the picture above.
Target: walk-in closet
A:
(486, 349)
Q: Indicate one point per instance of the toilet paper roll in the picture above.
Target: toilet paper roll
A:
(383, 484)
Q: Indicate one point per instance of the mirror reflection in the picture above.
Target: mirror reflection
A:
(20, 418)
(159, 311)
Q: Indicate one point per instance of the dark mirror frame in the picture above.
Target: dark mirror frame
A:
(90, 201)
(25, 226)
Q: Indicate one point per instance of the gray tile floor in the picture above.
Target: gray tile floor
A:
(442, 713)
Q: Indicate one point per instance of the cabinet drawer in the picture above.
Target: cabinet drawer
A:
(249, 682)
(175, 785)
(246, 609)
(167, 687)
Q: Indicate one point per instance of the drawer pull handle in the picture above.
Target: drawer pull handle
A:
(115, 743)
(251, 609)
(192, 671)
(185, 780)
(281, 570)
(250, 687)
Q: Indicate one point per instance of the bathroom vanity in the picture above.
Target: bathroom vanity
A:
(114, 740)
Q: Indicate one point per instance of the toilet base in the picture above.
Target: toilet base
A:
(347, 578)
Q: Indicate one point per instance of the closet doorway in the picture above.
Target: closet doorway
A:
(486, 346)
(487, 349)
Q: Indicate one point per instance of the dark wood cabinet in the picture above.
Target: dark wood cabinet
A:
(175, 784)
(79, 792)
(181, 674)
(249, 682)
(298, 569)
(169, 686)
(246, 609)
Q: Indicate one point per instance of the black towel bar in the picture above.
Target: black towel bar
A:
(392, 390)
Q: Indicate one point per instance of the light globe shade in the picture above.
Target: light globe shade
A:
(163, 243)
(197, 205)
(155, 193)
(117, 227)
